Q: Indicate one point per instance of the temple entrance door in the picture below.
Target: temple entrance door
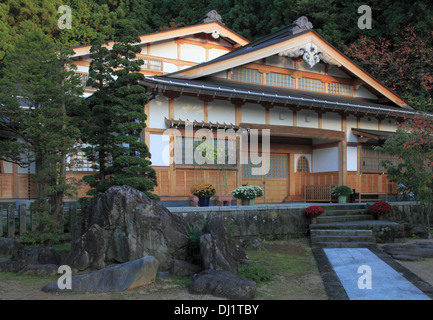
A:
(275, 183)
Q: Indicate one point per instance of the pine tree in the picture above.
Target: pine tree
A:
(117, 117)
(36, 76)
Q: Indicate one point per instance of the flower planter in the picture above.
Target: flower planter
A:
(245, 202)
(342, 199)
(314, 220)
(252, 202)
(203, 202)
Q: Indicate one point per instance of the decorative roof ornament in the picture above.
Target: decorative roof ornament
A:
(213, 16)
(301, 24)
(310, 53)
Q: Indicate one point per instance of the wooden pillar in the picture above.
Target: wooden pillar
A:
(15, 182)
(342, 163)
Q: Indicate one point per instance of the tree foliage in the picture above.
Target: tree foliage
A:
(412, 144)
(115, 120)
(37, 94)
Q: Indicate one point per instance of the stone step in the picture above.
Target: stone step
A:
(344, 218)
(339, 232)
(369, 245)
(345, 238)
(344, 212)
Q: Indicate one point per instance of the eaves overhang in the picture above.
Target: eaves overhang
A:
(160, 84)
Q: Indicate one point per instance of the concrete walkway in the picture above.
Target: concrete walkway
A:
(364, 276)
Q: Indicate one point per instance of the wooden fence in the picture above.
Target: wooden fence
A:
(15, 222)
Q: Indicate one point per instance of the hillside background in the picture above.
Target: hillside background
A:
(397, 50)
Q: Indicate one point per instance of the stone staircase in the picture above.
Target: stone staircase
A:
(343, 226)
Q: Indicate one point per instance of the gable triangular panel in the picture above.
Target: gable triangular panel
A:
(302, 44)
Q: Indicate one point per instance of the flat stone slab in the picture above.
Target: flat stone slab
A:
(355, 267)
(410, 251)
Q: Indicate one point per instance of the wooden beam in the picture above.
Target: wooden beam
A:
(298, 132)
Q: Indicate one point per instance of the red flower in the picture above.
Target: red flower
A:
(314, 211)
(380, 208)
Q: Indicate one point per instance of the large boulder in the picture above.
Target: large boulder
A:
(134, 226)
(30, 256)
(89, 251)
(115, 278)
(7, 246)
(222, 283)
(217, 248)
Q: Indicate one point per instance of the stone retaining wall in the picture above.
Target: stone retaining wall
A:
(268, 222)
(406, 214)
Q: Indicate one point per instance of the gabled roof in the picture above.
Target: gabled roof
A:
(209, 27)
(296, 40)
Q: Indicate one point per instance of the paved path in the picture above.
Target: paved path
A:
(365, 276)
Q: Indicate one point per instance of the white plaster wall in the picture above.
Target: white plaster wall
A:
(317, 68)
(22, 170)
(369, 123)
(253, 113)
(307, 118)
(188, 108)
(164, 49)
(221, 111)
(337, 72)
(351, 122)
(388, 125)
(352, 159)
(7, 167)
(280, 116)
(215, 53)
(159, 147)
(222, 74)
(169, 67)
(331, 121)
(192, 53)
(362, 92)
(158, 110)
(82, 69)
(279, 61)
(325, 160)
(297, 156)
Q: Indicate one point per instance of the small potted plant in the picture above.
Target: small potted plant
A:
(313, 212)
(204, 191)
(342, 192)
(247, 194)
(379, 209)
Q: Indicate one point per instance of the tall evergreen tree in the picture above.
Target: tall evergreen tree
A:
(118, 109)
(37, 77)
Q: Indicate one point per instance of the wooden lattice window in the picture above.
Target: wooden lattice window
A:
(340, 88)
(371, 159)
(302, 164)
(311, 84)
(281, 80)
(247, 75)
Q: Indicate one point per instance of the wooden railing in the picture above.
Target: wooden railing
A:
(318, 193)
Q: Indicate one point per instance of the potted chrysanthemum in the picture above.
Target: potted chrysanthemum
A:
(313, 212)
(204, 191)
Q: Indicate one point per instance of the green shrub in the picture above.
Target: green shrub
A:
(255, 272)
